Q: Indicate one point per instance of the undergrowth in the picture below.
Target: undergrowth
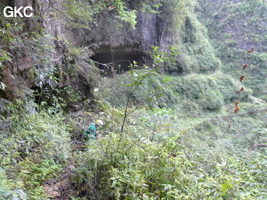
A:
(156, 158)
(34, 147)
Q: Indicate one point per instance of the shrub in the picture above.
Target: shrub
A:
(39, 134)
(33, 148)
(133, 167)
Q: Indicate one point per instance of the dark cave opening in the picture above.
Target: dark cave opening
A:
(119, 59)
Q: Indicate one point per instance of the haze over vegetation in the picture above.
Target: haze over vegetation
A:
(179, 84)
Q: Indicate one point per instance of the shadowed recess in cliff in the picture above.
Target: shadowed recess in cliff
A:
(118, 60)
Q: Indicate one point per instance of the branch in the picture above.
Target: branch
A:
(250, 150)
(129, 97)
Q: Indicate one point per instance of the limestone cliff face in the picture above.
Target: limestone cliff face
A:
(147, 32)
(124, 43)
(175, 25)
(25, 57)
(44, 50)
(36, 56)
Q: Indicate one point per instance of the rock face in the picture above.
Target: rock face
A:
(178, 28)
(18, 74)
(114, 46)
(121, 44)
(125, 44)
(39, 51)
(146, 33)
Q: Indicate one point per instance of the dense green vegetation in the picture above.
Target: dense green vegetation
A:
(153, 158)
(170, 131)
(234, 29)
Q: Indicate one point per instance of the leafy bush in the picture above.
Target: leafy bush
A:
(208, 91)
(33, 174)
(33, 148)
(38, 134)
(157, 158)
(134, 167)
(152, 91)
(9, 190)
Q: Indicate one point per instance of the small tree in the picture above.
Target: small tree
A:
(137, 80)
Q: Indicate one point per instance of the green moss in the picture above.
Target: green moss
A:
(190, 39)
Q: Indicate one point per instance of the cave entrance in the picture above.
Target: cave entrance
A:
(117, 60)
